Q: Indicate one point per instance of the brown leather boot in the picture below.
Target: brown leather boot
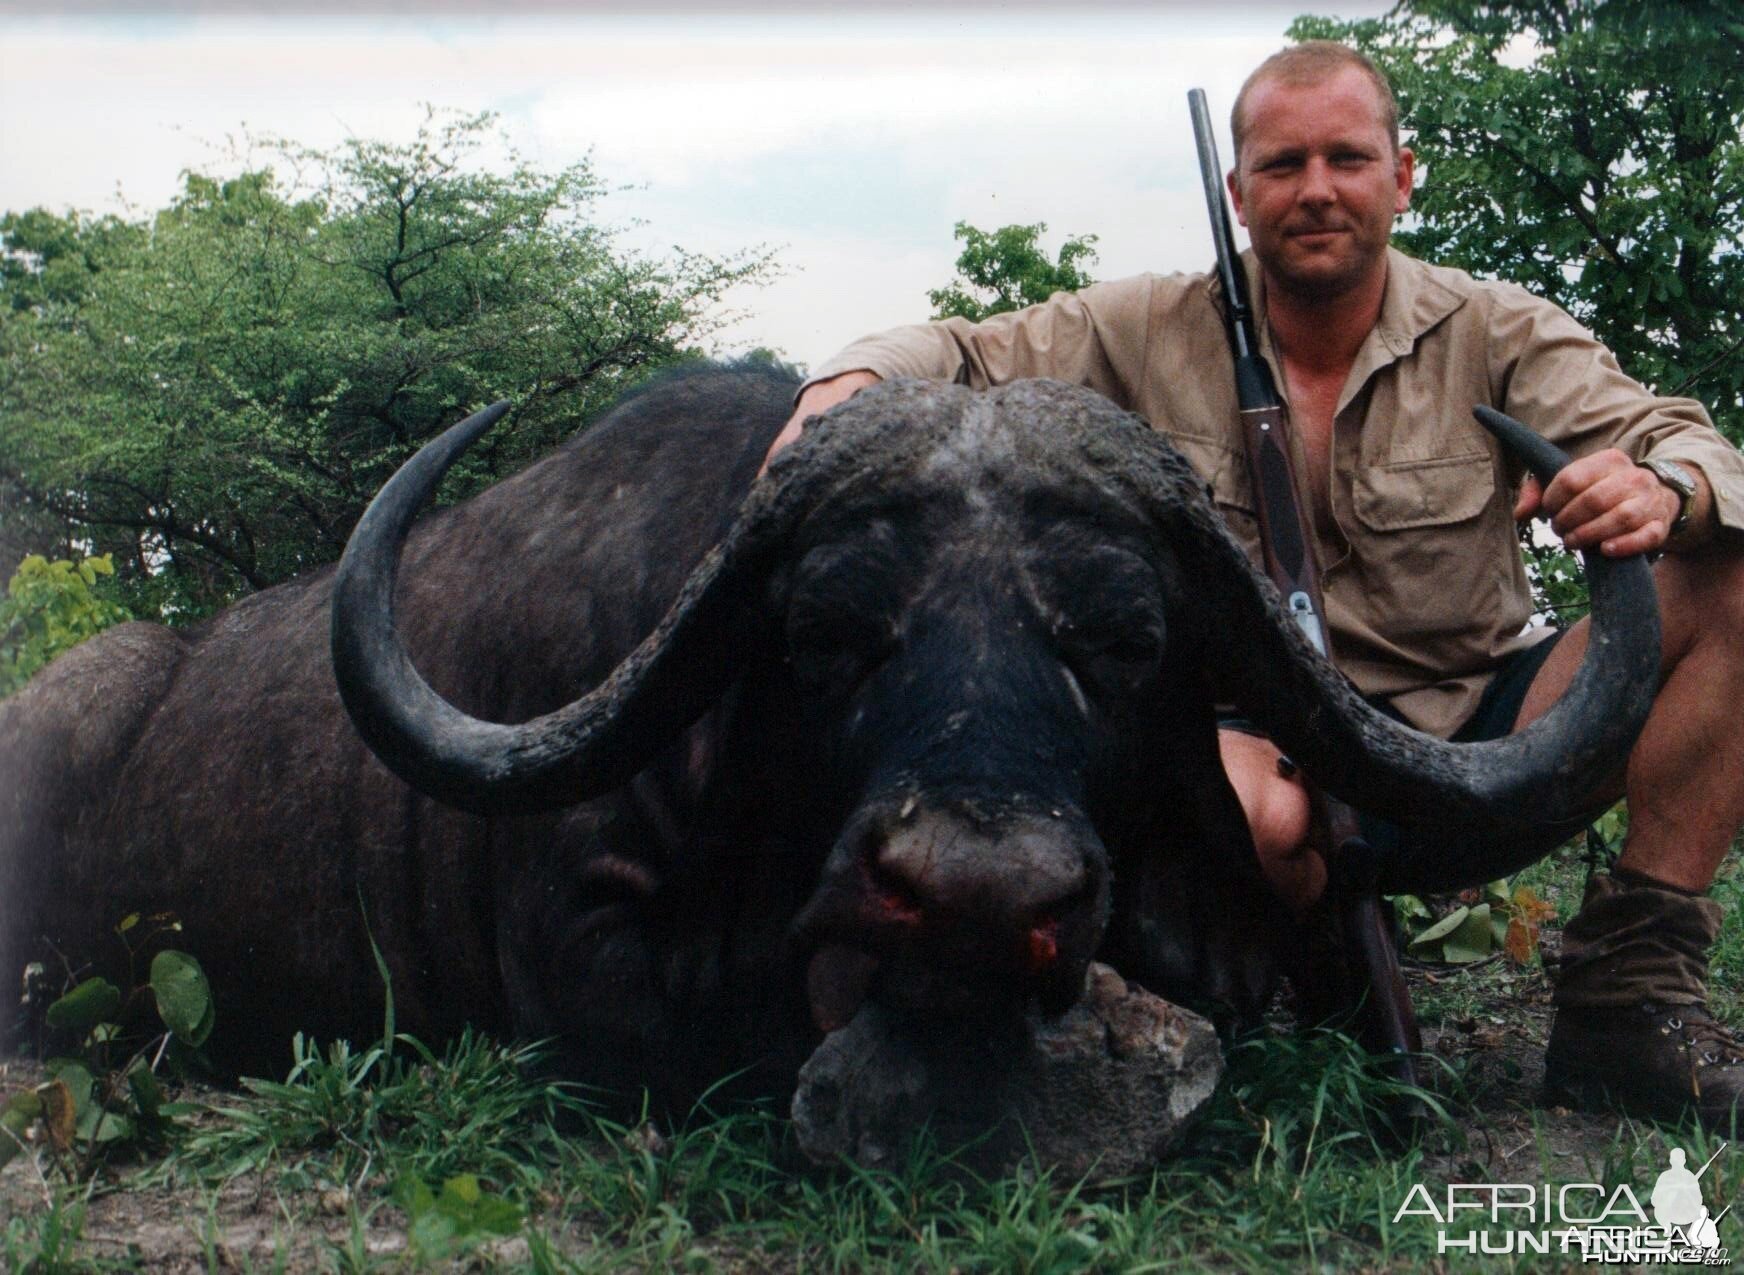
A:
(1632, 1028)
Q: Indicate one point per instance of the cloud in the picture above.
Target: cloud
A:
(854, 140)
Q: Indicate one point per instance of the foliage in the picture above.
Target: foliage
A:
(106, 1092)
(434, 1116)
(1501, 919)
(1007, 269)
(1592, 151)
(443, 1224)
(51, 607)
(211, 393)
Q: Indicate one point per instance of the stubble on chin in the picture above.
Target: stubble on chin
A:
(1320, 278)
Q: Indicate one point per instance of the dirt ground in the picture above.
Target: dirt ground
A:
(1494, 1019)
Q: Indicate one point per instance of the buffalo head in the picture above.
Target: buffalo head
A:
(983, 634)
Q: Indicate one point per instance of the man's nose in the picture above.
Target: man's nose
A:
(1317, 187)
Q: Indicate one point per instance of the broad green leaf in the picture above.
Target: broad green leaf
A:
(184, 998)
(473, 1212)
(1473, 940)
(88, 1004)
(99, 1125)
(1441, 929)
(148, 1095)
(1411, 908)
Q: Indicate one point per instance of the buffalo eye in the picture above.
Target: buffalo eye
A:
(1108, 626)
(839, 624)
(1124, 649)
(831, 654)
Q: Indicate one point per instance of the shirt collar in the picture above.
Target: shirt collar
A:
(1414, 302)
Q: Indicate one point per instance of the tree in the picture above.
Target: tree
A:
(211, 394)
(50, 607)
(1006, 269)
(1591, 151)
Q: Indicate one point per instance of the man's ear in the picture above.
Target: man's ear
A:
(1402, 171)
(1235, 195)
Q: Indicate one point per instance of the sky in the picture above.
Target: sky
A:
(849, 141)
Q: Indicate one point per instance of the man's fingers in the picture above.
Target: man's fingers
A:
(1646, 540)
(1605, 495)
(818, 398)
(1581, 475)
(789, 433)
(1530, 499)
(1635, 523)
(1627, 520)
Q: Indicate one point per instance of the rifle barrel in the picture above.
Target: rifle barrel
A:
(1241, 323)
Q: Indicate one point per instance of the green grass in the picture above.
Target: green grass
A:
(47, 1243)
(340, 1115)
(1293, 1166)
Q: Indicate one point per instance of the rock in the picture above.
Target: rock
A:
(1101, 1090)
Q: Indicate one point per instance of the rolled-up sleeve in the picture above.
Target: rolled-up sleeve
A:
(1097, 338)
(1552, 373)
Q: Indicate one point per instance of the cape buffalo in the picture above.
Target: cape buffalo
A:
(926, 717)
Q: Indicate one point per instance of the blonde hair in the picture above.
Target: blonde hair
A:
(1312, 62)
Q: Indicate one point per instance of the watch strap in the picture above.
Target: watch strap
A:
(1680, 480)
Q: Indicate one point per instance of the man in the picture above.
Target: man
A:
(1381, 358)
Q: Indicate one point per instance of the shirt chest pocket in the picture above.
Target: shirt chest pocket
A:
(1427, 562)
(1439, 492)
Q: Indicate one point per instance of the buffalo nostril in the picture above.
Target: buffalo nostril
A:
(1042, 946)
(896, 908)
(894, 901)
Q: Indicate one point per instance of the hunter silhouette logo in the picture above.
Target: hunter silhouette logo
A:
(1677, 1204)
(1584, 1220)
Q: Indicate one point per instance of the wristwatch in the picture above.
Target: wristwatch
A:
(1680, 480)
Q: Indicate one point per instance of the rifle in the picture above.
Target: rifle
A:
(1389, 1025)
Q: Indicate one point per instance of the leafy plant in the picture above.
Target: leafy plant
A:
(51, 607)
(1501, 919)
(106, 1091)
(442, 1225)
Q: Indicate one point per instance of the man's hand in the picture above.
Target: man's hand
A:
(818, 397)
(1607, 500)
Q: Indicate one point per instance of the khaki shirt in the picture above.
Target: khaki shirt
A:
(1425, 589)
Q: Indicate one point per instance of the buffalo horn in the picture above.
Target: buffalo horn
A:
(1472, 812)
(600, 740)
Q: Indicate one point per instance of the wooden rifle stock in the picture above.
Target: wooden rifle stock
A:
(1287, 548)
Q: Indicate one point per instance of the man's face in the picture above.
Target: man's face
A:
(1319, 184)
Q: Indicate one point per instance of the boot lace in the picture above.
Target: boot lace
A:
(1708, 1039)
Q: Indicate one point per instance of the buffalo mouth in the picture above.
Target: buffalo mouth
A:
(951, 914)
